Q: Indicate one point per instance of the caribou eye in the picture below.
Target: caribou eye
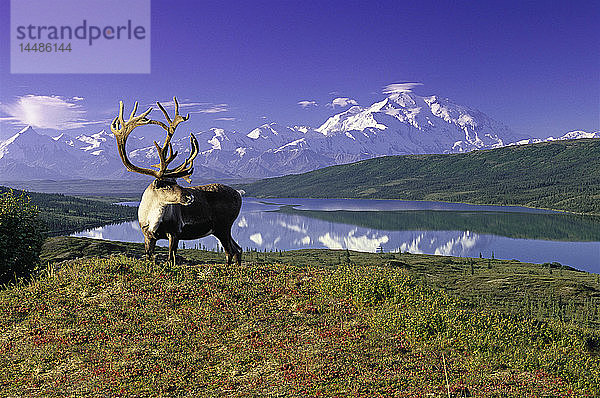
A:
(160, 184)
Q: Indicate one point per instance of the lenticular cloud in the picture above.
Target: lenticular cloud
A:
(50, 112)
(396, 88)
(342, 102)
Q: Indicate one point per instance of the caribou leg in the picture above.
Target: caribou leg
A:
(237, 253)
(149, 244)
(173, 243)
(232, 249)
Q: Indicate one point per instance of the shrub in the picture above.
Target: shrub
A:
(21, 237)
(400, 305)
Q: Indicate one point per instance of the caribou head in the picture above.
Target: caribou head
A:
(168, 210)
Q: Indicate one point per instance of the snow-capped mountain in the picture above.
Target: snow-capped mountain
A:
(571, 135)
(402, 123)
(405, 123)
(28, 155)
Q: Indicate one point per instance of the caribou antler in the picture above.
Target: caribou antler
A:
(121, 129)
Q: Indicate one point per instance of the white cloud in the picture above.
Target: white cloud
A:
(413, 246)
(342, 102)
(194, 107)
(96, 233)
(47, 112)
(365, 243)
(257, 238)
(76, 98)
(227, 119)
(214, 108)
(293, 227)
(397, 88)
(305, 103)
(459, 246)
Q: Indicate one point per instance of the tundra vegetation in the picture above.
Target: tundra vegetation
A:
(305, 323)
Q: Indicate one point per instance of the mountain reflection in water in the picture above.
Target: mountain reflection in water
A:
(443, 229)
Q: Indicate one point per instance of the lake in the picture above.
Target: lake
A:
(449, 229)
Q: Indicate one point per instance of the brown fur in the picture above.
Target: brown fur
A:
(213, 211)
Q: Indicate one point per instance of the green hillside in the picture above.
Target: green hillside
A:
(66, 214)
(561, 175)
(297, 324)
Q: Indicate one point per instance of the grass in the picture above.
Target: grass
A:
(284, 324)
(543, 292)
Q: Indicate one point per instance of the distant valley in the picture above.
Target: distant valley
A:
(560, 175)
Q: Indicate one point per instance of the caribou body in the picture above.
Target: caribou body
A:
(170, 211)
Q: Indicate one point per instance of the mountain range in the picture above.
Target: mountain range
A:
(400, 124)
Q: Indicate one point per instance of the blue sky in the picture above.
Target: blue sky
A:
(534, 66)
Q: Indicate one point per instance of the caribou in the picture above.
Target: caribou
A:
(168, 210)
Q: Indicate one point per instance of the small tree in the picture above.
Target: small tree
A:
(347, 259)
(21, 237)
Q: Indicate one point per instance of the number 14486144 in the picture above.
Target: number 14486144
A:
(45, 47)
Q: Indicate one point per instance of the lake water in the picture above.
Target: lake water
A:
(450, 229)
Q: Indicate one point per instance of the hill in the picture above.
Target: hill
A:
(67, 214)
(561, 175)
(548, 291)
(121, 326)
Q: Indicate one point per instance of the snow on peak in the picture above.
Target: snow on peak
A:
(102, 135)
(404, 99)
(27, 130)
(378, 106)
(25, 136)
(302, 129)
(254, 134)
(577, 134)
(94, 141)
(571, 135)
(416, 124)
(219, 136)
(265, 131)
(347, 120)
(401, 123)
